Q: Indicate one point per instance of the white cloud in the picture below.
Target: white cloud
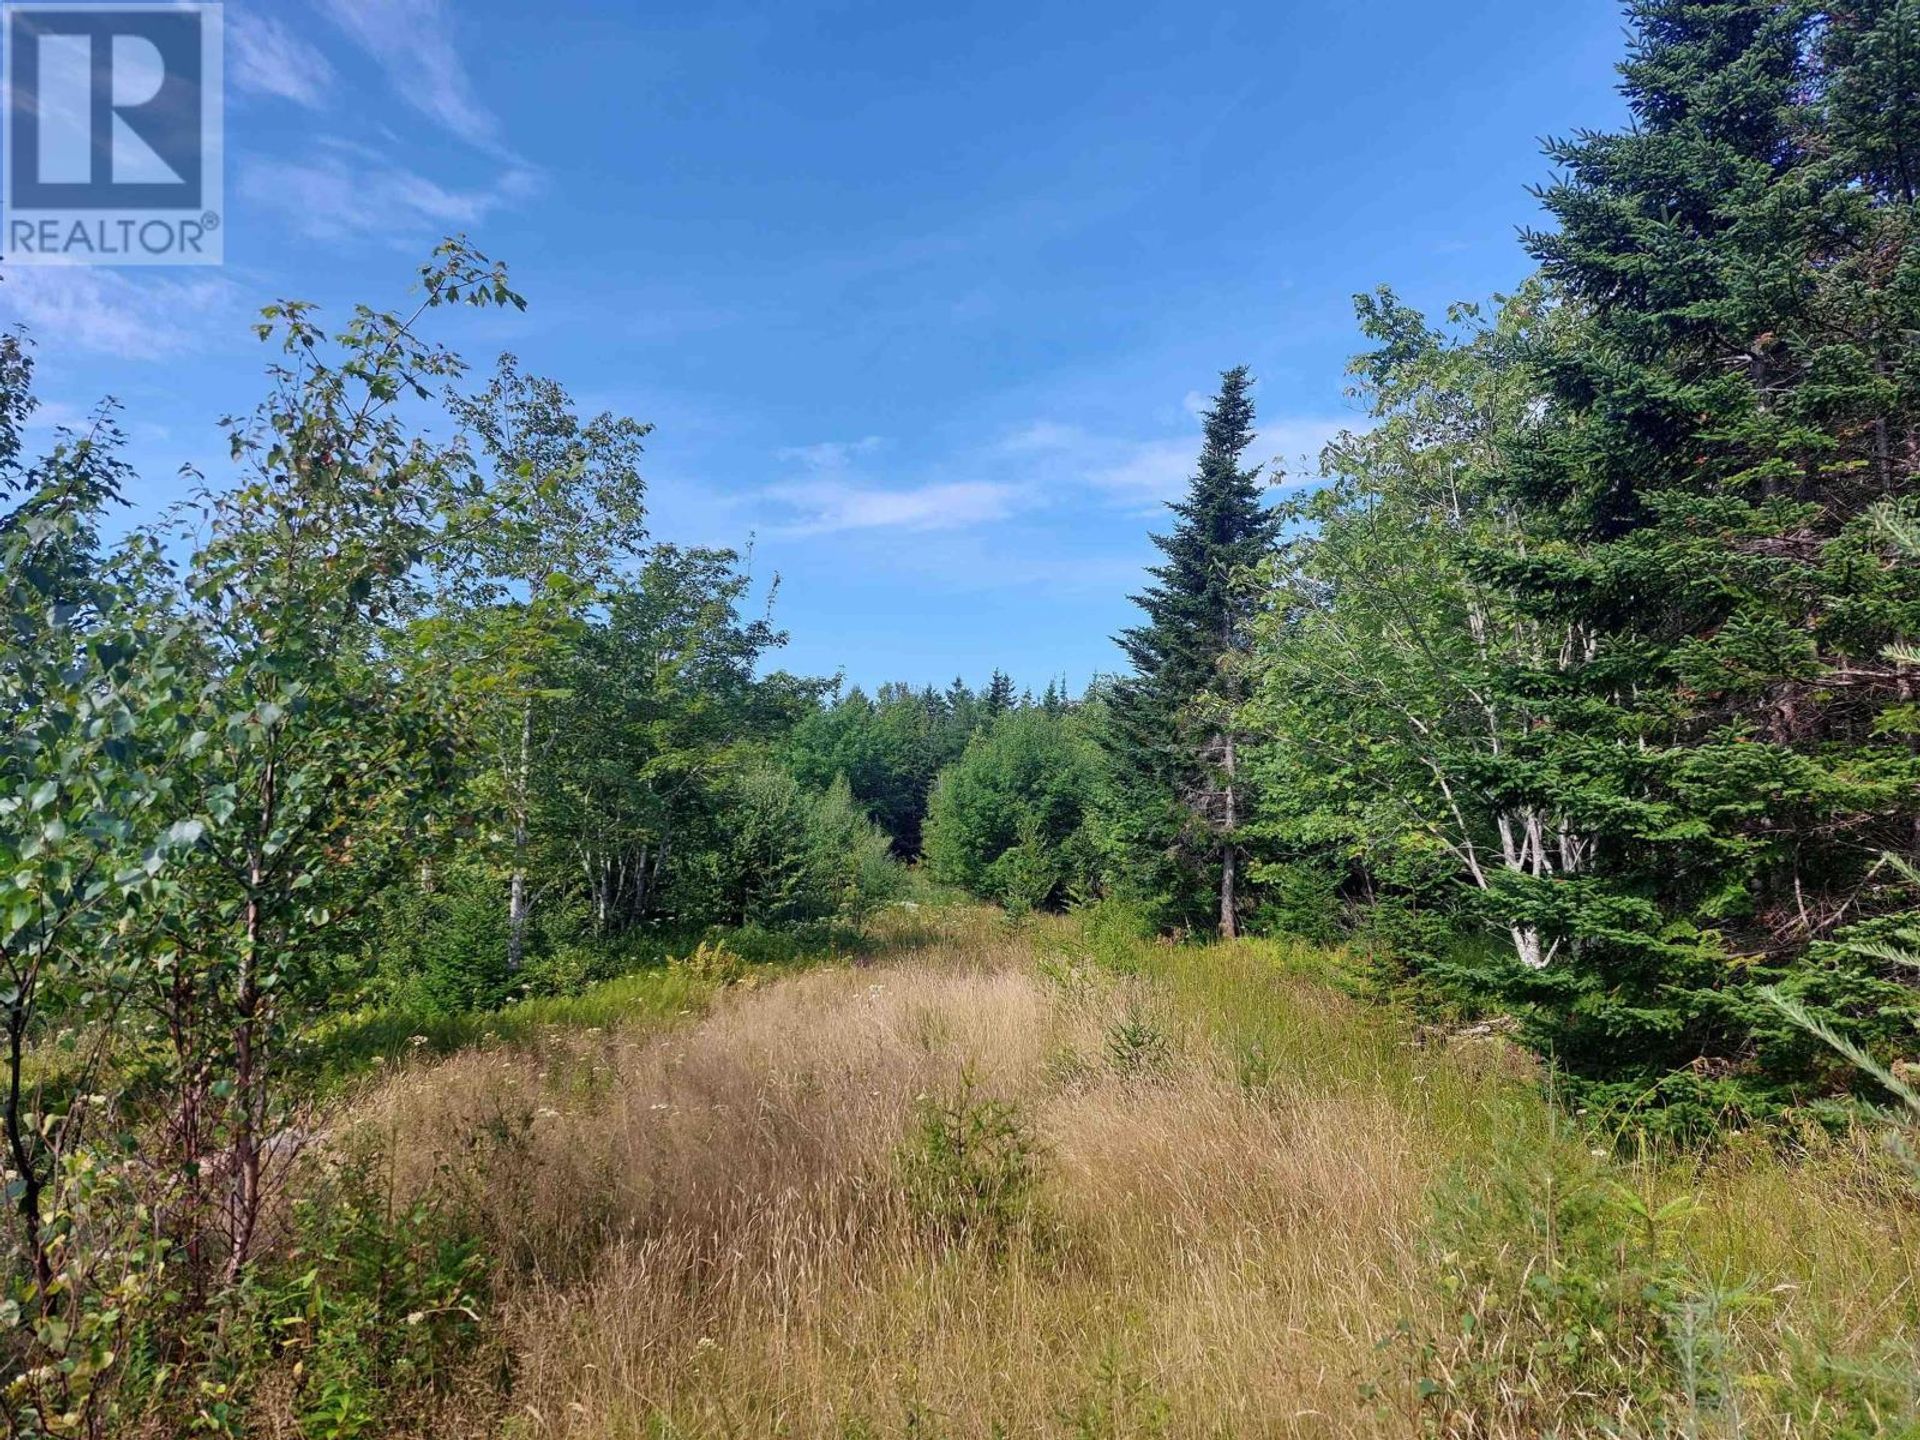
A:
(347, 193)
(833, 497)
(1293, 444)
(1147, 470)
(831, 456)
(827, 505)
(267, 58)
(412, 40)
(1044, 435)
(95, 308)
(1133, 472)
(55, 415)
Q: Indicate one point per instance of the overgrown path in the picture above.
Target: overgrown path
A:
(1045, 1180)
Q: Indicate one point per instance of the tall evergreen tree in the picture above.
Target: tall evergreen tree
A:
(1171, 725)
(999, 698)
(1720, 438)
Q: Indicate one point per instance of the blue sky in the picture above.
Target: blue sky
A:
(922, 300)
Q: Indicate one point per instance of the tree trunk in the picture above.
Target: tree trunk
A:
(1229, 857)
(244, 1162)
(517, 889)
(21, 1141)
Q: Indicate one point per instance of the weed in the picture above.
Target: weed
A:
(714, 962)
(1117, 1404)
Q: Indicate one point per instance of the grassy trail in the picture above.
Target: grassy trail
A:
(1039, 1181)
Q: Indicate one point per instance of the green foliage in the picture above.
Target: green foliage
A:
(1564, 1298)
(714, 962)
(658, 706)
(1706, 528)
(371, 1307)
(779, 854)
(73, 1309)
(97, 707)
(386, 721)
(1008, 820)
(888, 749)
(1118, 1401)
(968, 1166)
(1136, 1046)
(1299, 897)
(1169, 728)
(446, 947)
(1594, 642)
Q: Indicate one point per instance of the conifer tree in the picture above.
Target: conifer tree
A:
(1720, 433)
(1171, 729)
(999, 698)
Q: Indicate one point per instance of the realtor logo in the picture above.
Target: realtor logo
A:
(113, 146)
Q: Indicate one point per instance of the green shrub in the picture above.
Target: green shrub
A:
(968, 1166)
(1566, 1300)
(714, 962)
(62, 1346)
(1137, 1047)
(374, 1301)
(362, 1321)
(1007, 820)
(1028, 875)
(1117, 1401)
(782, 855)
(1114, 931)
(1299, 899)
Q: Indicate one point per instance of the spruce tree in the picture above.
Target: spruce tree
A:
(1724, 430)
(999, 698)
(1171, 728)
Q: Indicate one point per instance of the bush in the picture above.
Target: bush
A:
(360, 1326)
(714, 962)
(1569, 1308)
(1300, 899)
(1114, 930)
(1137, 1047)
(779, 855)
(1007, 821)
(374, 1304)
(63, 1347)
(443, 951)
(968, 1166)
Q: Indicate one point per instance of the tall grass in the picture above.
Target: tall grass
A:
(1046, 1179)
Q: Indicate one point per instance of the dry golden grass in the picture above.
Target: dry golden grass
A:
(705, 1233)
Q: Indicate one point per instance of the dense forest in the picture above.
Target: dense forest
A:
(1575, 703)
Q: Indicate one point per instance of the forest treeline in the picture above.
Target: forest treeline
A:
(1579, 688)
(1582, 688)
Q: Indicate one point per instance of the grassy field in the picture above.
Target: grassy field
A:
(1049, 1180)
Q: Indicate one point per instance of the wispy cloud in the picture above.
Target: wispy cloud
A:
(1292, 444)
(833, 497)
(825, 506)
(832, 456)
(106, 311)
(265, 57)
(413, 41)
(1042, 436)
(348, 193)
(1134, 472)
